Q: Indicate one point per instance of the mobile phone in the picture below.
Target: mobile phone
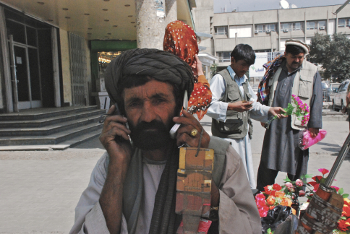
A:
(174, 129)
(118, 138)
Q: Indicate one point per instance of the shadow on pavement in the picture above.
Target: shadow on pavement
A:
(93, 143)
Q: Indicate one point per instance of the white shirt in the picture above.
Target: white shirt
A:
(218, 109)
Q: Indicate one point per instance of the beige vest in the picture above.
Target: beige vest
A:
(236, 125)
(302, 87)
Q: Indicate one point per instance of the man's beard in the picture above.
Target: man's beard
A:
(150, 136)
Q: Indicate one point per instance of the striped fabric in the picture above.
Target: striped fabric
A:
(271, 68)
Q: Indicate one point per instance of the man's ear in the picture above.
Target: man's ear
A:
(285, 53)
(233, 60)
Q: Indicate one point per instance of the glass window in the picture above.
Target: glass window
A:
(310, 25)
(31, 36)
(341, 23)
(321, 24)
(17, 30)
(222, 30)
(285, 26)
(270, 27)
(297, 26)
(224, 56)
(259, 28)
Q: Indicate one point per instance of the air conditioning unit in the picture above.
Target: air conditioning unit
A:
(268, 31)
(256, 31)
(322, 27)
(285, 30)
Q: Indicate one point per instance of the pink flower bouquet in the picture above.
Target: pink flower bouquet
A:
(297, 108)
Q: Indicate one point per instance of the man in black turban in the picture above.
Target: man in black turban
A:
(133, 186)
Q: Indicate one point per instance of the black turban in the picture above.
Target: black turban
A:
(160, 65)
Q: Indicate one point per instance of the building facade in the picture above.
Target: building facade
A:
(53, 52)
(266, 31)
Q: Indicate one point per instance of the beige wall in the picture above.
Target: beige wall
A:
(67, 91)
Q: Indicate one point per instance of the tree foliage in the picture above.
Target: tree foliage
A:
(333, 53)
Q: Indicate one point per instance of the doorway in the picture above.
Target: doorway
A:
(28, 76)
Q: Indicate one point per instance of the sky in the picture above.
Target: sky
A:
(258, 5)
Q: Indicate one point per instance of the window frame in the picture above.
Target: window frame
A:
(221, 27)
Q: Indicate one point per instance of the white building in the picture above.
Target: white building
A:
(265, 31)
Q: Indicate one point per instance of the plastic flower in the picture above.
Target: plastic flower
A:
(267, 191)
(286, 202)
(276, 187)
(346, 211)
(263, 211)
(317, 178)
(260, 196)
(323, 171)
(346, 202)
(270, 200)
(296, 107)
(315, 184)
(279, 194)
(301, 193)
(299, 182)
(343, 225)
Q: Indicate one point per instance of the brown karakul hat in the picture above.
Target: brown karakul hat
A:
(301, 44)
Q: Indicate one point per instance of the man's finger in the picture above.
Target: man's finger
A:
(183, 138)
(114, 118)
(111, 110)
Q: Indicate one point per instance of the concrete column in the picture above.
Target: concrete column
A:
(150, 27)
(6, 62)
(56, 69)
(336, 23)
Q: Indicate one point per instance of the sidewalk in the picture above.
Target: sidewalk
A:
(40, 189)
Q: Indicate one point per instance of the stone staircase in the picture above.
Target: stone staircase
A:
(49, 128)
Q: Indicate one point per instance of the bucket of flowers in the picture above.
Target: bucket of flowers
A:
(277, 202)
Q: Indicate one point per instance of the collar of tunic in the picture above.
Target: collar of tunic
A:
(239, 80)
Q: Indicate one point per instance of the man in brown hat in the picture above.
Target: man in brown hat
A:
(289, 74)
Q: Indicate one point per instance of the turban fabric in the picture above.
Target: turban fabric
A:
(157, 64)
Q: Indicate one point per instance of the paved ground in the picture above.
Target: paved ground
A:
(39, 189)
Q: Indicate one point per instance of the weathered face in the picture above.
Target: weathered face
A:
(149, 109)
(240, 67)
(294, 61)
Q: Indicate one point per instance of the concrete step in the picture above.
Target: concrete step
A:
(42, 113)
(37, 123)
(48, 130)
(52, 139)
(61, 146)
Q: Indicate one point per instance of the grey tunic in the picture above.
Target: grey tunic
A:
(280, 148)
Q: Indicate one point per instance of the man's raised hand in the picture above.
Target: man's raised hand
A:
(277, 111)
(115, 135)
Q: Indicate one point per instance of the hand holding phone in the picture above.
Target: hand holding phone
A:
(240, 106)
(115, 135)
